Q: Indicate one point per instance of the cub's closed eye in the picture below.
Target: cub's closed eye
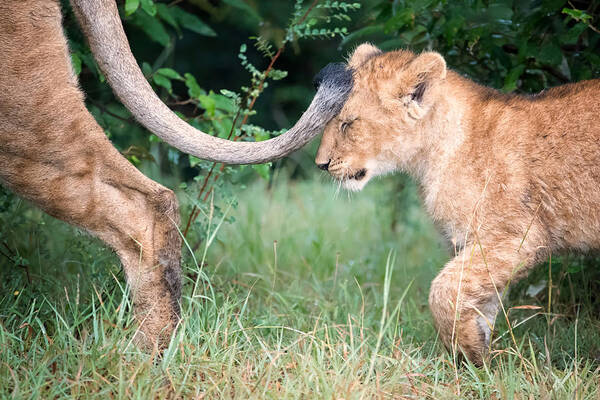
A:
(345, 125)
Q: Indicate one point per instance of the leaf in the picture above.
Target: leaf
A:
(194, 90)
(131, 6)
(208, 104)
(169, 73)
(242, 5)
(400, 20)
(263, 170)
(578, 15)
(76, 63)
(151, 27)
(572, 34)
(362, 33)
(164, 12)
(510, 82)
(552, 5)
(260, 135)
(222, 126)
(192, 22)
(163, 81)
(277, 74)
(393, 44)
(223, 103)
(550, 53)
(499, 11)
(452, 27)
(194, 160)
(146, 69)
(149, 7)
(154, 139)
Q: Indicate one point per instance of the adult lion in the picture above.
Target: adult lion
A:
(53, 153)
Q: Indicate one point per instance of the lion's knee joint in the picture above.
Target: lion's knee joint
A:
(165, 203)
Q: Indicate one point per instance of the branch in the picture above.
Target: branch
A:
(112, 114)
(195, 212)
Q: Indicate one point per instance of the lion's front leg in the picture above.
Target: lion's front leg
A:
(143, 231)
(465, 296)
(79, 177)
(54, 153)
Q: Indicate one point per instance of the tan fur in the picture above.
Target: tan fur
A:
(53, 153)
(508, 179)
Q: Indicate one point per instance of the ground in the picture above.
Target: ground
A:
(337, 308)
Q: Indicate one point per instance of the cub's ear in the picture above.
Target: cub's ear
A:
(423, 72)
(362, 53)
(416, 83)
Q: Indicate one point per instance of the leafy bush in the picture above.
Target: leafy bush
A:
(509, 44)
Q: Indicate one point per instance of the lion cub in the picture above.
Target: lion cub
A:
(509, 179)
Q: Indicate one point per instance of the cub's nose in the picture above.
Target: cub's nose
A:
(325, 166)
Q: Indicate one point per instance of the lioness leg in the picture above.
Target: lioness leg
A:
(53, 153)
(97, 189)
(475, 280)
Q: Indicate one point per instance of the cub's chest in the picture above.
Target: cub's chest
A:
(461, 203)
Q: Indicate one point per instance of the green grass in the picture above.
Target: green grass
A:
(337, 308)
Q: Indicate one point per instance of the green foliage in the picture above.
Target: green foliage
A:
(318, 26)
(131, 6)
(509, 44)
